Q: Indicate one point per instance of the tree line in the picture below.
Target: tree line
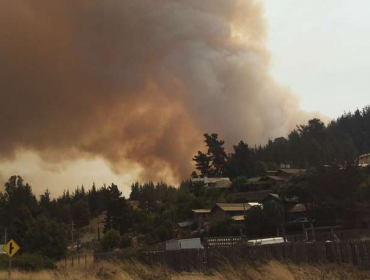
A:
(307, 146)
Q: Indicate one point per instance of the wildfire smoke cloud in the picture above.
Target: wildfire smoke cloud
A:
(136, 81)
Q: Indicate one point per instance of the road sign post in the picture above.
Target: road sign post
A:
(11, 248)
(10, 268)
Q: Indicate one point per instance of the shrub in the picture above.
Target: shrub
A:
(27, 262)
(126, 241)
(224, 227)
(110, 241)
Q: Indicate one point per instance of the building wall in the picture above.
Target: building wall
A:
(200, 219)
(273, 204)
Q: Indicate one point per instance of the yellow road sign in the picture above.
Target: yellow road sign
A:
(11, 248)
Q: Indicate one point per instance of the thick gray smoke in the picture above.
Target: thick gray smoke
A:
(136, 80)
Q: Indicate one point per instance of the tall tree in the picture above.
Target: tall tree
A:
(216, 152)
(119, 212)
(203, 164)
(240, 163)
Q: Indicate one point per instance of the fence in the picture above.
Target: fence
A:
(334, 235)
(356, 253)
(226, 241)
(354, 234)
(80, 261)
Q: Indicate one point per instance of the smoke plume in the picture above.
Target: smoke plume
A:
(136, 81)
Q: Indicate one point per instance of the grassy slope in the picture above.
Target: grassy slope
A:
(90, 232)
(134, 271)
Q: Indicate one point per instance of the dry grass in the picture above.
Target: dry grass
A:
(136, 271)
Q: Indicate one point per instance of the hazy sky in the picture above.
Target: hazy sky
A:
(320, 50)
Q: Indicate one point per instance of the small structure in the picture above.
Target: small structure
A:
(273, 202)
(297, 211)
(286, 174)
(215, 183)
(275, 180)
(182, 244)
(200, 216)
(235, 211)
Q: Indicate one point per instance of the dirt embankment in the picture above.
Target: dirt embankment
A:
(134, 271)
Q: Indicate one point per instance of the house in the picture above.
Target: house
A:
(271, 173)
(269, 181)
(253, 184)
(273, 202)
(364, 160)
(235, 211)
(288, 173)
(252, 196)
(216, 183)
(274, 180)
(200, 217)
(290, 207)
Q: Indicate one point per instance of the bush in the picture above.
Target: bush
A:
(225, 227)
(126, 241)
(46, 237)
(110, 240)
(131, 253)
(261, 223)
(27, 262)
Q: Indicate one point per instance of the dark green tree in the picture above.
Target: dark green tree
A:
(46, 238)
(217, 154)
(111, 240)
(203, 164)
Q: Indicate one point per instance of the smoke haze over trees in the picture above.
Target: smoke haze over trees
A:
(309, 145)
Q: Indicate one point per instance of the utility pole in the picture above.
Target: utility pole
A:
(72, 229)
(245, 215)
(78, 239)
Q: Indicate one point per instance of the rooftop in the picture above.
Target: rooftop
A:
(276, 178)
(298, 208)
(207, 180)
(202, 211)
(231, 207)
(292, 171)
(252, 196)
